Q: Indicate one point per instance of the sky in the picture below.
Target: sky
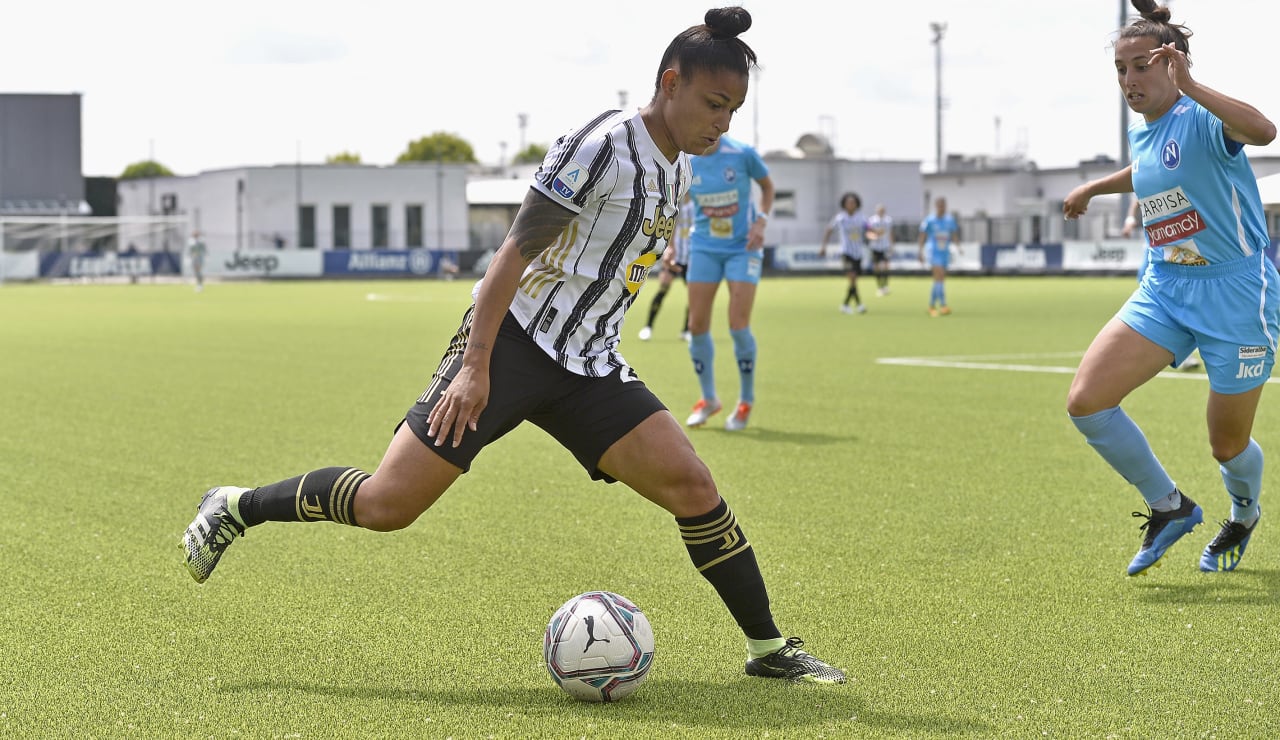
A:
(216, 85)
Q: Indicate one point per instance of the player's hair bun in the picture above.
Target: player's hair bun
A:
(1153, 12)
(727, 23)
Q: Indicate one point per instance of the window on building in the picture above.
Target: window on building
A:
(342, 227)
(784, 203)
(380, 216)
(307, 226)
(413, 226)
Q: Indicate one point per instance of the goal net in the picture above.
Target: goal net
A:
(42, 247)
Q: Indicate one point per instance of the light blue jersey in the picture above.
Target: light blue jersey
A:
(1208, 283)
(940, 233)
(721, 192)
(1198, 194)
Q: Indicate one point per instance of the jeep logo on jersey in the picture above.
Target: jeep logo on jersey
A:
(1171, 155)
(569, 180)
(638, 270)
(659, 225)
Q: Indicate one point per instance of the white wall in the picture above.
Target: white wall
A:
(269, 205)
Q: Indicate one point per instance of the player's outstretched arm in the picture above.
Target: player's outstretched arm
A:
(537, 225)
(1077, 201)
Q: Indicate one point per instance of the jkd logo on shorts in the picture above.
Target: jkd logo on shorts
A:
(1252, 353)
(1250, 370)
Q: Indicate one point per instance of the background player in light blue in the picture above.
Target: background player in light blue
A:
(727, 244)
(1208, 285)
(939, 232)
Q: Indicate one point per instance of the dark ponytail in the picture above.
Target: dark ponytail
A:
(1156, 22)
(712, 46)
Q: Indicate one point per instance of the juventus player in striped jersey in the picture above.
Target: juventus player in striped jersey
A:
(675, 260)
(540, 343)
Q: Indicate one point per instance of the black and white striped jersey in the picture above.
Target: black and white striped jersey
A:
(684, 227)
(572, 297)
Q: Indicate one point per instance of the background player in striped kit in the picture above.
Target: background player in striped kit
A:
(675, 262)
(540, 341)
(727, 244)
(851, 227)
(880, 229)
(1208, 285)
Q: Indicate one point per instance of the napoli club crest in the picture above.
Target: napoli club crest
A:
(1171, 155)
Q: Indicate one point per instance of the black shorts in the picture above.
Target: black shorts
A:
(852, 264)
(586, 415)
(879, 255)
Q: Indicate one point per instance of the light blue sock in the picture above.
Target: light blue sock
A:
(703, 352)
(942, 294)
(935, 294)
(1121, 443)
(1243, 476)
(744, 348)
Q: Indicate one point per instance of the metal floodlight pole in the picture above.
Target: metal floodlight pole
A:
(1124, 128)
(939, 29)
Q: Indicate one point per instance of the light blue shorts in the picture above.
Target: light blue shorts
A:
(1230, 311)
(743, 266)
(940, 258)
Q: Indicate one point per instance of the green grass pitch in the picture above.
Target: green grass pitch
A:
(925, 515)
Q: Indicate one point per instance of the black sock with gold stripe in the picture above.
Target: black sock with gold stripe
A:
(723, 556)
(325, 495)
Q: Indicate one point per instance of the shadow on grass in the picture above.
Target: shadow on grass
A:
(1252, 587)
(747, 704)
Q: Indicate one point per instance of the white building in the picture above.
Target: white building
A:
(324, 207)
(998, 200)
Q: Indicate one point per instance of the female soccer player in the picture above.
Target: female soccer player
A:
(727, 244)
(675, 262)
(940, 232)
(851, 227)
(540, 343)
(880, 228)
(1208, 285)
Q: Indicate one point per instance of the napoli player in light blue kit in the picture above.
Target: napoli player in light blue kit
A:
(939, 233)
(727, 243)
(1209, 285)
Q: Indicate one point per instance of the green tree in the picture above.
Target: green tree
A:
(145, 168)
(441, 146)
(532, 154)
(343, 158)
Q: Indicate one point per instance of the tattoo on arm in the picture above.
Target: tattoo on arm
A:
(538, 224)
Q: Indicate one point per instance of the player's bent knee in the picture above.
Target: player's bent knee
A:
(381, 509)
(692, 491)
(1081, 402)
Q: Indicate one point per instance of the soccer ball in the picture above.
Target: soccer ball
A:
(598, 646)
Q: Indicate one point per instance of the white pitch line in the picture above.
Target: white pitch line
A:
(959, 362)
